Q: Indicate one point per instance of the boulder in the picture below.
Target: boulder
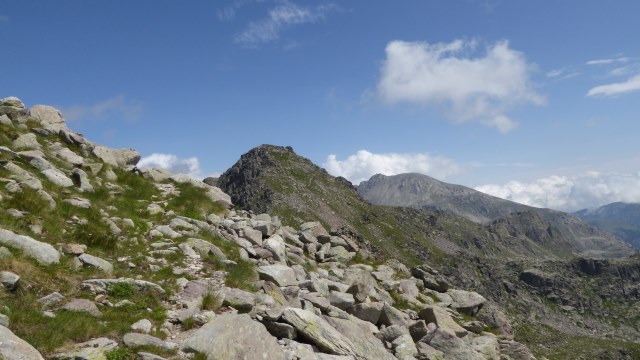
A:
(281, 275)
(367, 311)
(392, 316)
(275, 244)
(136, 339)
(341, 300)
(364, 345)
(390, 333)
(82, 305)
(233, 336)
(9, 280)
(238, 299)
(48, 115)
(467, 302)
(94, 261)
(27, 141)
(404, 348)
(143, 325)
(440, 316)
(318, 331)
(94, 349)
(116, 157)
(42, 252)
(453, 347)
(57, 177)
(205, 248)
(14, 348)
(105, 285)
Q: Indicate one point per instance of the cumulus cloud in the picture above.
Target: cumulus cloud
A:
(285, 15)
(570, 193)
(632, 84)
(364, 164)
(481, 88)
(172, 163)
(119, 105)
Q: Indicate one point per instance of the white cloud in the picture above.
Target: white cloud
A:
(481, 88)
(364, 164)
(172, 163)
(607, 61)
(281, 17)
(117, 106)
(570, 193)
(632, 84)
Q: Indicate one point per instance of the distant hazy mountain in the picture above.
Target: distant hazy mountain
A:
(619, 218)
(424, 192)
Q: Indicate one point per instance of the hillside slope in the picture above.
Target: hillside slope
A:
(556, 231)
(620, 219)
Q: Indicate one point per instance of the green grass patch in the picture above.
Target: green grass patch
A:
(193, 203)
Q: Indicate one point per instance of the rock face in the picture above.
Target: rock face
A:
(234, 337)
(14, 348)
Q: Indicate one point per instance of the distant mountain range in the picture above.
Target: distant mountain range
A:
(621, 219)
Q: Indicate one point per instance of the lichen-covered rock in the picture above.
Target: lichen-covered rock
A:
(42, 252)
(14, 348)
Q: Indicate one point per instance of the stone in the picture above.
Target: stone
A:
(452, 347)
(404, 348)
(205, 248)
(78, 202)
(253, 235)
(116, 157)
(487, 345)
(5, 253)
(238, 299)
(281, 330)
(232, 336)
(73, 249)
(390, 333)
(69, 156)
(339, 254)
(188, 251)
(139, 285)
(82, 305)
(143, 325)
(341, 300)
(27, 141)
(392, 316)
(149, 356)
(50, 300)
(42, 252)
(94, 349)
(418, 330)
(4, 320)
(275, 244)
(427, 352)
(9, 280)
(71, 137)
(515, 350)
(4, 120)
(440, 316)
(81, 177)
(14, 348)
(136, 339)
(367, 311)
(156, 175)
(364, 345)
(467, 302)
(48, 115)
(318, 331)
(94, 261)
(57, 177)
(537, 278)
(281, 275)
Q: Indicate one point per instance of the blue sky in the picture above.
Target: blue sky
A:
(534, 101)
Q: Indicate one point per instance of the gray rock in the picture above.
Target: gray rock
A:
(238, 299)
(232, 336)
(275, 244)
(390, 333)
(73, 249)
(69, 156)
(467, 302)
(42, 252)
(51, 299)
(143, 325)
(4, 320)
(515, 350)
(392, 316)
(70, 137)
(9, 280)
(94, 349)
(12, 101)
(341, 300)
(106, 284)
(57, 177)
(78, 202)
(82, 305)
(361, 291)
(281, 275)
(205, 248)
(427, 352)
(339, 254)
(14, 348)
(48, 115)
(404, 347)
(82, 179)
(367, 311)
(453, 347)
(116, 157)
(253, 235)
(364, 345)
(94, 261)
(149, 356)
(281, 330)
(4, 120)
(440, 316)
(318, 331)
(418, 330)
(487, 346)
(27, 141)
(136, 339)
